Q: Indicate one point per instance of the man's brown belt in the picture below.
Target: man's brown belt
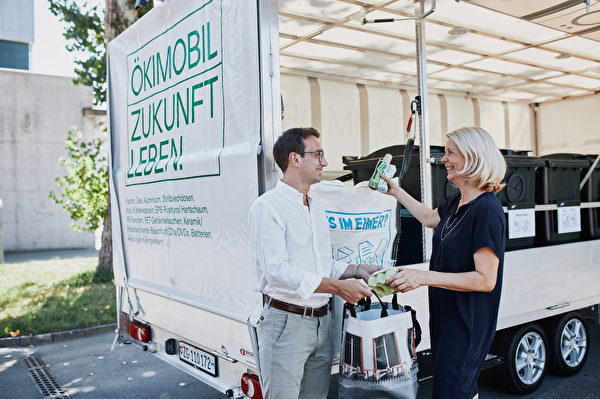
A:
(302, 310)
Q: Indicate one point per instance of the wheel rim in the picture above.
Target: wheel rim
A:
(573, 343)
(530, 358)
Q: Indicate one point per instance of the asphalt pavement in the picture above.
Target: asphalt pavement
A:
(82, 365)
(86, 368)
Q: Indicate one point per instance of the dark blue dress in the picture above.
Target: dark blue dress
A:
(463, 324)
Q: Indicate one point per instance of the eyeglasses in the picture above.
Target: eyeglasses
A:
(320, 154)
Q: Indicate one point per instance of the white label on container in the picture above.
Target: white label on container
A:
(521, 223)
(569, 219)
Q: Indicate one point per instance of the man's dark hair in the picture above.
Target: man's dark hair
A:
(291, 141)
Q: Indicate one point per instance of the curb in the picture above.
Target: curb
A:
(57, 336)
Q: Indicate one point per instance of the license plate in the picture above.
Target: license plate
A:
(198, 358)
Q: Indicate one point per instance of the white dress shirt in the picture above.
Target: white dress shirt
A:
(292, 248)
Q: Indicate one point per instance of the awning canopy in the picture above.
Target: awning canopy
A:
(533, 51)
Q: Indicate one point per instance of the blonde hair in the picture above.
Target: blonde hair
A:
(485, 166)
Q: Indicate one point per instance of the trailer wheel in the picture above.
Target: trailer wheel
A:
(525, 362)
(568, 344)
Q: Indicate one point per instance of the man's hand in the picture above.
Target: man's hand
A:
(364, 271)
(353, 291)
(350, 290)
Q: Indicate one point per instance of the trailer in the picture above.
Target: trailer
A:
(199, 90)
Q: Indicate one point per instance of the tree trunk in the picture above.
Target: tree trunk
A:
(119, 15)
(105, 258)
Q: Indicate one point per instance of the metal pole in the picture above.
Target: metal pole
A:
(423, 117)
(1, 238)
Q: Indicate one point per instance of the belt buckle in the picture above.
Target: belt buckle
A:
(311, 313)
(304, 312)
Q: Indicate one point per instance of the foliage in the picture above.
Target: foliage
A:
(85, 33)
(85, 187)
(88, 35)
(40, 297)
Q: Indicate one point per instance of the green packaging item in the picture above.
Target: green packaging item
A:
(377, 282)
(389, 171)
(380, 168)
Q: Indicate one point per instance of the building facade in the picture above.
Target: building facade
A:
(16, 33)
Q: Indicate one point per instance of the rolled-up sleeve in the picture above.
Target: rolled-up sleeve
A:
(338, 269)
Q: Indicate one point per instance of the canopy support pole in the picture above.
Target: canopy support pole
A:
(423, 118)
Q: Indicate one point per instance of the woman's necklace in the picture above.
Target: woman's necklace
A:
(449, 226)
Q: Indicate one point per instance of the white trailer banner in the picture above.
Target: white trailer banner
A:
(184, 107)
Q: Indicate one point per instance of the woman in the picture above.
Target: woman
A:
(465, 270)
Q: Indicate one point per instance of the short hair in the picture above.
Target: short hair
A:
(485, 166)
(291, 141)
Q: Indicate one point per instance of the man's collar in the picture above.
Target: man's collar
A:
(291, 192)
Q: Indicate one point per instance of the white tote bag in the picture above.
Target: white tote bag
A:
(362, 222)
(379, 358)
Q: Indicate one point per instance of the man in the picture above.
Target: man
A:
(297, 274)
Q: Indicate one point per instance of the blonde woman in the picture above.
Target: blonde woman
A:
(465, 270)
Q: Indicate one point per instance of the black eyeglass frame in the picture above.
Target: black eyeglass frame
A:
(321, 152)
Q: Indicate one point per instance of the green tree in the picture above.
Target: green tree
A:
(87, 34)
(85, 187)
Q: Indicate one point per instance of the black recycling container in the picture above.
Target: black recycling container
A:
(519, 191)
(556, 183)
(590, 217)
(411, 238)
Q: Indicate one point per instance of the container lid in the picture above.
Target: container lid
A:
(520, 160)
(564, 155)
(566, 163)
(369, 162)
(399, 150)
(592, 159)
(589, 157)
(514, 152)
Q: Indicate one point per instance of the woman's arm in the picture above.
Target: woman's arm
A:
(483, 279)
(424, 214)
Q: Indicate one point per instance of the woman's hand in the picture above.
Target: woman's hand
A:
(482, 279)
(407, 279)
(392, 185)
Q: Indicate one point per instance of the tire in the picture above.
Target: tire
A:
(525, 359)
(568, 344)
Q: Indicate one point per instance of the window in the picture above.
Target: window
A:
(14, 55)
(352, 351)
(386, 351)
(410, 338)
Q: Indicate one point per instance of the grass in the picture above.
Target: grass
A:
(39, 297)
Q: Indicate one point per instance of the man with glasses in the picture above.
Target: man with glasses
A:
(297, 274)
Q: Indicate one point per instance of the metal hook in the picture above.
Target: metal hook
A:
(415, 105)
